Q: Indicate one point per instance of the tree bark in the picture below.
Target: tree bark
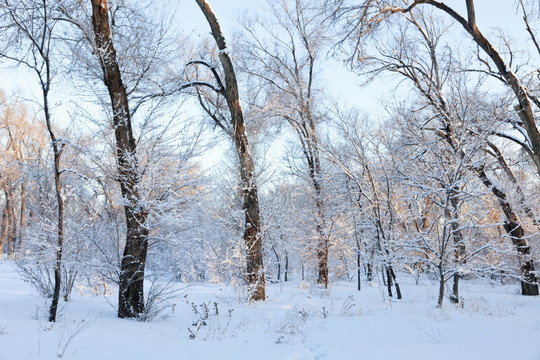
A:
(459, 246)
(322, 241)
(358, 267)
(12, 234)
(389, 282)
(442, 280)
(131, 278)
(60, 225)
(5, 222)
(252, 231)
(278, 261)
(22, 221)
(286, 275)
(369, 272)
(309, 140)
(392, 280)
(58, 148)
(510, 174)
(512, 225)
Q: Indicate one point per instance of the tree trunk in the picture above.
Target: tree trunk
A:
(58, 148)
(392, 280)
(286, 267)
(441, 288)
(12, 234)
(278, 263)
(22, 221)
(389, 282)
(396, 284)
(459, 246)
(512, 177)
(454, 297)
(252, 231)
(5, 223)
(512, 225)
(322, 241)
(322, 257)
(60, 230)
(131, 278)
(369, 273)
(358, 268)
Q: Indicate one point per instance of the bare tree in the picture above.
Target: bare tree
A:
(422, 66)
(374, 189)
(33, 23)
(373, 15)
(128, 47)
(229, 90)
(131, 281)
(285, 58)
(23, 142)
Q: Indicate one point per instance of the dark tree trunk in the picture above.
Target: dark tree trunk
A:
(512, 226)
(252, 231)
(529, 283)
(389, 282)
(358, 268)
(286, 267)
(392, 280)
(131, 278)
(394, 277)
(60, 228)
(454, 297)
(459, 254)
(58, 148)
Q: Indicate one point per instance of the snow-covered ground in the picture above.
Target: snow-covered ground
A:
(297, 322)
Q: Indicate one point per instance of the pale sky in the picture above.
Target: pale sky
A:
(491, 15)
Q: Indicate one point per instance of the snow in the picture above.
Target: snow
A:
(493, 322)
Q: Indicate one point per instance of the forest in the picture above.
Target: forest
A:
(138, 157)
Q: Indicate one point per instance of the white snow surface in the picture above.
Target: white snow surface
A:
(296, 322)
